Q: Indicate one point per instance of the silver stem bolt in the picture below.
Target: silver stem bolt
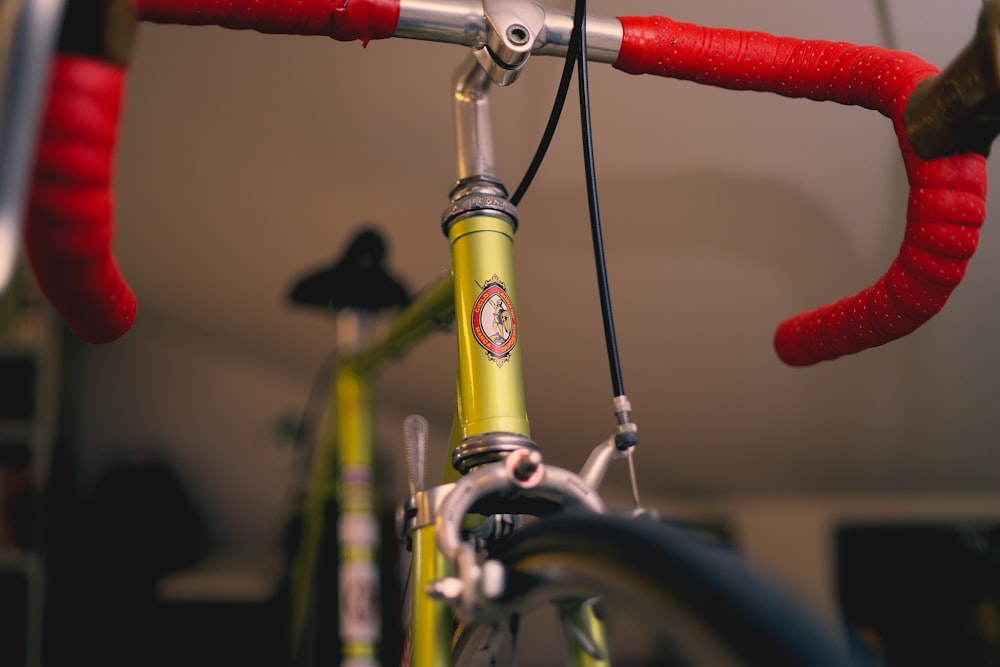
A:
(518, 34)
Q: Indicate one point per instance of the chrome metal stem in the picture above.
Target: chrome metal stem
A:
(464, 22)
(473, 122)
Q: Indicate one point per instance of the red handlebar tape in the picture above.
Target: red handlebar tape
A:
(68, 235)
(69, 227)
(344, 20)
(947, 196)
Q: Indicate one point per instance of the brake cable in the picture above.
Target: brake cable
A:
(569, 63)
(576, 58)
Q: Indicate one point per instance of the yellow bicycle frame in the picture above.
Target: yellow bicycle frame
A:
(490, 385)
(490, 398)
(343, 470)
(479, 297)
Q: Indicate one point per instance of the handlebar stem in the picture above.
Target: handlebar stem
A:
(478, 189)
(514, 26)
(473, 122)
(464, 22)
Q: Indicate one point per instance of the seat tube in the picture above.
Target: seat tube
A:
(342, 471)
(357, 529)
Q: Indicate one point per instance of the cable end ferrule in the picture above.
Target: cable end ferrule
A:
(627, 432)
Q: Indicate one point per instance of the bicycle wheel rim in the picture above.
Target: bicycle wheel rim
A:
(700, 604)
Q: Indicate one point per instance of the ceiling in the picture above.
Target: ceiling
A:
(246, 159)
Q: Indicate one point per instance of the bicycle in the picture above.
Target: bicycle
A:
(478, 571)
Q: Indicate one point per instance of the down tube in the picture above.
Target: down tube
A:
(490, 384)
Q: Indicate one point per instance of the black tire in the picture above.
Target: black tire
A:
(700, 603)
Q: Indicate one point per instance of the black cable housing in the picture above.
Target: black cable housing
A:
(590, 171)
(576, 58)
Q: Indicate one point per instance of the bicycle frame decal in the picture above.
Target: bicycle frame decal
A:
(494, 324)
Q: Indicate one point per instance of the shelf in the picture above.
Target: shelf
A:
(29, 379)
(225, 578)
(18, 559)
(16, 444)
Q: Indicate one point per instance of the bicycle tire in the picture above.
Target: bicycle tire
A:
(707, 606)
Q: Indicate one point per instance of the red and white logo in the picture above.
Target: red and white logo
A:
(493, 322)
